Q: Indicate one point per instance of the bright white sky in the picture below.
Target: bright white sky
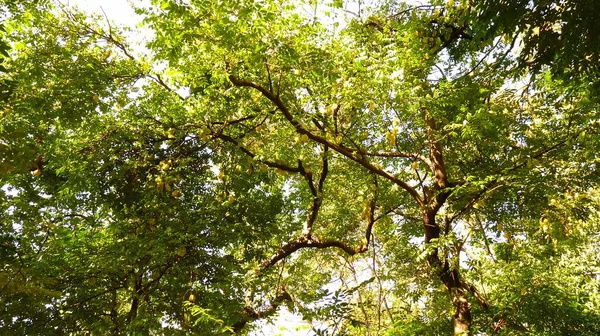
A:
(119, 11)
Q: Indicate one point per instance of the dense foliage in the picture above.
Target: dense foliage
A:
(375, 169)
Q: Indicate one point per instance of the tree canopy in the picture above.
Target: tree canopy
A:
(376, 168)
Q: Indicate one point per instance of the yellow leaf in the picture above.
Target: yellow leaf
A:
(204, 131)
(544, 224)
(391, 138)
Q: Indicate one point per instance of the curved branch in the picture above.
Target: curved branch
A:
(249, 314)
(360, 159)
(478, 297)
(289, 248)
(307, 241)
(300, 169)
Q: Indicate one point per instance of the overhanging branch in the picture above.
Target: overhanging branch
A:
(347, 152)
(250, 314)
(303, 242)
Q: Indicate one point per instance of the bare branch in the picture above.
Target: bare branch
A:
(485, 240)
(478, 297)
(371, 217)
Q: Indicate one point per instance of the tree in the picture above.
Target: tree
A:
(563, 34)
(260, 151)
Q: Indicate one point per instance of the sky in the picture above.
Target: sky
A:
(118, 11)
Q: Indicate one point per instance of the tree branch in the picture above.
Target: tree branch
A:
(303, 242)
(371, 217)
(282, 166)
(360, 159)
(249, 314)
(317, 194)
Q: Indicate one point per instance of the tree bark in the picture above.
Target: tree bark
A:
(462, 315)
(449, 277)
(434, 199)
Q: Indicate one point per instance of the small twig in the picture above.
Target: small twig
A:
(269, 76)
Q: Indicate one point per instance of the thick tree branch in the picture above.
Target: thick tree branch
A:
(303, 242)
(250, 314)
(324, 170)
(435, 152)
(360, 159)
(312, 217)
(317, 195)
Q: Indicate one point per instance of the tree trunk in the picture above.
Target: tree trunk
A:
(449, 277)
(462, 315)
(433, 201)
